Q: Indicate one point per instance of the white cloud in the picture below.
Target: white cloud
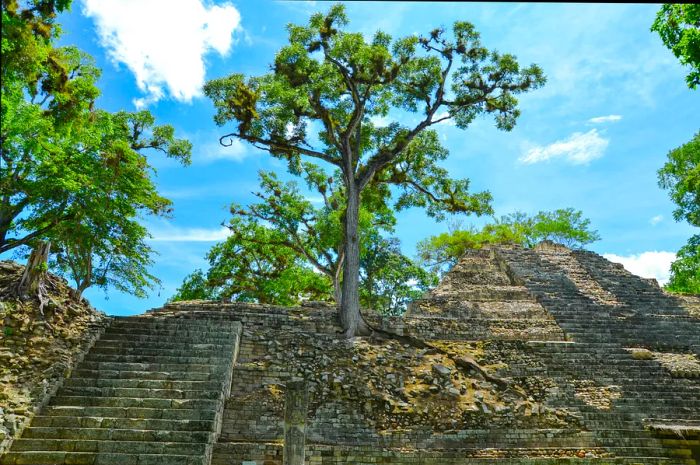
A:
(656, 220)
(647, 264)
(176, 234)
(605, 119)
(163, 42)
(579, 149)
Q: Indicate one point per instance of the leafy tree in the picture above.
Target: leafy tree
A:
(252, 265)
(679, 28)
(194, 287)
(306, 232)
(72, 174)
(680, 175)
(339, 81)
(108, 254)
(566, 226)
(685, 270)
(388, 279)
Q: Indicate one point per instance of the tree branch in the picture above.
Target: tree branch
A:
(269, 146)
(12, 243)
(386, 155)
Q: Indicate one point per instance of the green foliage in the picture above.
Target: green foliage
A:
(679, 28)
(681, 176)
(388, 279)
(194, 287)
(565, 226)
(252, 266)
(685, 271)
(341, 80)
(70, 173)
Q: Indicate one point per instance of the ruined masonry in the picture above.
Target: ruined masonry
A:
(600, 367)
(150, 391)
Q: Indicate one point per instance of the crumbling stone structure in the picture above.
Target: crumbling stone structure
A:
(600, 367)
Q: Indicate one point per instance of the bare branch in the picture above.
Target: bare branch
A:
(269, 145)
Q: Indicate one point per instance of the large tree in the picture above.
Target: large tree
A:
(72, 174)
(565, 226)
(327, 85)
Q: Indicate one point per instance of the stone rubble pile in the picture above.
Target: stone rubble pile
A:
(37, 353)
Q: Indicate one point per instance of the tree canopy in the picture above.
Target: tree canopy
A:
(565, 226)
(328, 86)
(72, 174)
(679, 28)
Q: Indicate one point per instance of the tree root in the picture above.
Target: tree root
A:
(463, 362)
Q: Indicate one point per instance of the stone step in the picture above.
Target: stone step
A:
(148, 392)
(175, 345)
(150, 322)
(128, 447)
(137, 392)
(121, 423)
(103, 382)
(147, 339)
(155, 375)
(129, 412)
(183, 351)
(158, 403)
(165, 359)
(106, 434)
(91, 458)
(172, 334)
(152, 367)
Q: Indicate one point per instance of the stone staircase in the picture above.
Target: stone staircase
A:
(150, 391)
(604, 311)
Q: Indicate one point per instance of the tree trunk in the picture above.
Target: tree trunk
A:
(86, 281)
(336, 277)
(350, 317)
(337, 290)
(78, 294)
(35, 271)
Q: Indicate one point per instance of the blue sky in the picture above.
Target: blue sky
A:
(592, 138)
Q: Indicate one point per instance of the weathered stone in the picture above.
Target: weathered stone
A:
(553, 322)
